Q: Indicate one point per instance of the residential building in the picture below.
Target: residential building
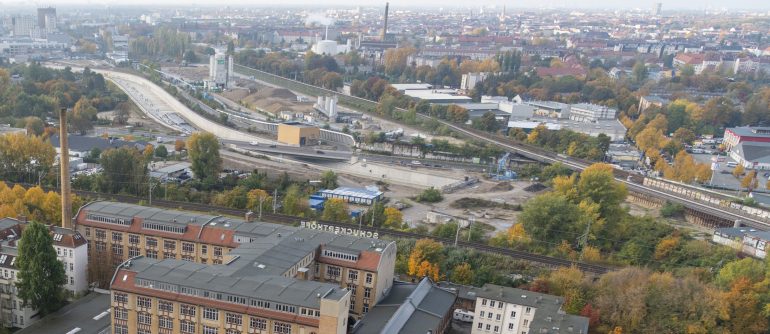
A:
(71, 251)
(470, 80)
(175, 296)
(344, 257)
(423, 307)
(502, 309)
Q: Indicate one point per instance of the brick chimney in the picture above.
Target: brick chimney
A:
(64, 164)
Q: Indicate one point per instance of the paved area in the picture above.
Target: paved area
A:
(88, 313)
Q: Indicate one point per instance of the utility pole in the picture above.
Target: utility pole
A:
(275, 200)
(584, 240)
(374, 211)
(471, 220)
(152, 186)
(457, 233)
(261, 199)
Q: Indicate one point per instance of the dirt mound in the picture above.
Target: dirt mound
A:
(275, 93)
(535, 187)
(502, 186)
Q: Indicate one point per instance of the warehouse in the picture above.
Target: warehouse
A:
(298, 134)
(353, 195)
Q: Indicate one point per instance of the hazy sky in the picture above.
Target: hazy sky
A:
(604, 4)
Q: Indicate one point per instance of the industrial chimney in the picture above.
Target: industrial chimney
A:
(385, 26)
(64, 164)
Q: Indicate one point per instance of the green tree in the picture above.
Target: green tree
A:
(203, 148)
(487, 122)
(329, 180)
(82, 116)
(430, 195)
(124, 170)
(335, 209)
(551, 217)
(294, 203)
(598, 184)
(161, 151)
(41, 276)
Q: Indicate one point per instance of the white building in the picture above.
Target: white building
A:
(72, 250)
(470, 80)
(507, 310)
(587, 112)
(220, 69)
(24, 26)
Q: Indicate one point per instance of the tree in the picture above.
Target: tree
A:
(121, 113)
(161, 151)
(640, 72)
(293, 202)
(738, 171)
(148, 152)
(462, 274)
(487, 122)
(41, 276)
(179, 145)
(329, 179)
(24, 158)
(203, 148)
(551, 217)
(335, 209)
(33, 125)
(82, 115)
(190, 57)
(394, 218)
(750, 181)
(430, 195)
(124, 170)
(257, 196)
(597, 183)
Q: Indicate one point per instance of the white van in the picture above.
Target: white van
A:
(732, 164)
(463, 315)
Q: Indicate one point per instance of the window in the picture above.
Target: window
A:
(121, 314)
(489, 315)
(352, 304)
(484, 302)
(367, 292)
(497, 329)
(117, 237)
(187, 310)
(366, 307)
(120, 329)
(133, 252)
(164, 228)
(151, 242)
(528, 310)
(234, 319)
(480, 325)
(257, 323)
(133, 239)
(217, 251)
(152, 254)
(120, 297)
(491, 303)
(352, 288)
(143, 302)
(281, 328)
(497, 317)
(72, 266)
(526, 322)
(187, 327)
(88, 232)
(489, 326)
(101, 234)
(481, 314)
(144, 318)
(164, 306)
(204, 249)
(353, 275)
(72, 280)
(332, 271)
(165, 322)
(101, 246)
(210, 330)
(188, 247)
(70, 252)
(210, 314)
(169, 245)
(369, 278)
(232, 331)
(117, 250)
(513, 314)
(510, 326)
(500, 305)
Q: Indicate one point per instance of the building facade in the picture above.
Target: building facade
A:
(174, 296)
(508, 310)
(71, 251)
(119, 231)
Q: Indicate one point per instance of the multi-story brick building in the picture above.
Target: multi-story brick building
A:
(119, 231)
(175, 296)
(71, 250)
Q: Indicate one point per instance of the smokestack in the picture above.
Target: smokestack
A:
(385, 26)
(64, 164)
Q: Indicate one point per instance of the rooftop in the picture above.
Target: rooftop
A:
(408, 308)
(750, 131)
(353, 192)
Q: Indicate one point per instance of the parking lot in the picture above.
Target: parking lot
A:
(723, 177)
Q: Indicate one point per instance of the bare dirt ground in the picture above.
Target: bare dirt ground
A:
(268, 99)
(189, 73)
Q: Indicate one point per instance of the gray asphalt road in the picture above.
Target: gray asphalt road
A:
(79, 314)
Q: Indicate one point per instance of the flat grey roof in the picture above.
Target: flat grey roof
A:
(220, 278)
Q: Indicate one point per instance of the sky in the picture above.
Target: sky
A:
(601, 4)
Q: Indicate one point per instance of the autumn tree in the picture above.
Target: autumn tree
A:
(41, 276)
(203, 148)
(179, 145)
(738, 171)
(597, 183)
(750, 181)
(329, 180)
(25, 158)
(394, 218)
(82, 116)
(294, 202)
(462, 274)
(257, 197)
(335, 209)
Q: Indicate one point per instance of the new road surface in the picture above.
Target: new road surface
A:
(87, 315)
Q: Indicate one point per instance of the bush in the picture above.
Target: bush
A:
(430, 195)
(672, 210)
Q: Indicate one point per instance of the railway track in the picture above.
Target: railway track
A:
(292, 220)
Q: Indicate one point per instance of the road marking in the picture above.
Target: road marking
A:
(101, 315)
(77, 329)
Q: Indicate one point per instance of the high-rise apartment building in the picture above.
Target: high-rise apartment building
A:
(46, 19)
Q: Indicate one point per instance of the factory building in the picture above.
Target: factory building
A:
(298, 134)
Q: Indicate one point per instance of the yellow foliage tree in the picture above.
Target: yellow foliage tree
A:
(591, 254)
(393, 217)
(462, 274)
(517, 234)
(738, 171)
(257, 196)
(750, 181)
(414, 262)
(665, 247)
